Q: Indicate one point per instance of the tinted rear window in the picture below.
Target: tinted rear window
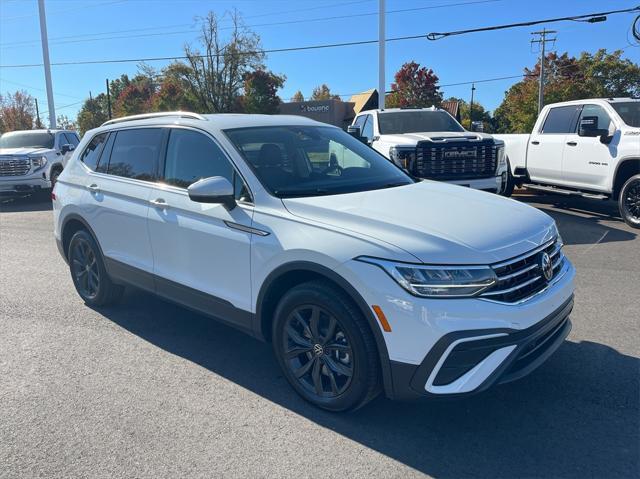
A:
(629, 111)
(135, 153)
(562, 119)
(91, 153)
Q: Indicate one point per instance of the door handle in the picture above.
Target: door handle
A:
(535, 142)
(93, 188)
(572, 143)
(159, 203)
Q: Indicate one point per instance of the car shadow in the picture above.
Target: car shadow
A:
(31, 202)
(582, 221)
(577, 415)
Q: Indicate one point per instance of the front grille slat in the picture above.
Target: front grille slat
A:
(14, 166)
(521, 277)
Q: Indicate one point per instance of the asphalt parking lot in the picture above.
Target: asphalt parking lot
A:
(148, 389)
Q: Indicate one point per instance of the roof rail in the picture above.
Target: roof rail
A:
(144, 116)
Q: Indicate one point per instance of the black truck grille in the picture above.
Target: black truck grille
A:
(456, 160)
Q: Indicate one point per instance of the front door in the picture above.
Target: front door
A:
(201, 251)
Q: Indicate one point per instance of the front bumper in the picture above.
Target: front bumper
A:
(468, 362)
(24, 184)
(492, 184)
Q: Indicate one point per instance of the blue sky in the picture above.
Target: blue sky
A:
(346, 70)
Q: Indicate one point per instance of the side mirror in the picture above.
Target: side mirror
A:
(66, 148)
(213, 190)
(589, 128)
(355, 131)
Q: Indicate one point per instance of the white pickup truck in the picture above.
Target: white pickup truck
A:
(31, 160)
(429, 143)
(589, 148)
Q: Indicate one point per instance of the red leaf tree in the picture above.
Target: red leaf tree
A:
(414, 86)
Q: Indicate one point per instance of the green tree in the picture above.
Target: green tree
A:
(17, 111)
(567, 78)
(93, 113)
(479, 114)
(65, 123)
(298, 96)
(414, 86)
(323, 92)
(261, 92)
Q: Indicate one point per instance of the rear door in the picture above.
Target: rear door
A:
(203, 247)
(587, 161)
(118, 201)
(546, 146)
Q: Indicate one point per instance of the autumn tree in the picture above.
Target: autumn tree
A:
(414, 86)
(17, 111)
(598, 75)
(323, 92)
(298, 96)
(65, 123)
(93, 113)
(261, 92)
(216, 71)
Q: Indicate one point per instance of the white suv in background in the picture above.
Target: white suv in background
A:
(362, 278)
(31, 160)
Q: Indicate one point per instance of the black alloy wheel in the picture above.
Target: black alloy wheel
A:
(629, 202)
(88, 272)
(317, 351)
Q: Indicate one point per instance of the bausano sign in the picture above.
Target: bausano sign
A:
(314, 108)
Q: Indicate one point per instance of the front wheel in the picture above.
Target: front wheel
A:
(325, 347)
(507, 188)
(629, 202)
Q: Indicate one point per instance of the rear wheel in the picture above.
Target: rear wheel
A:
(325, 347)
(629, 202)
(88, 272)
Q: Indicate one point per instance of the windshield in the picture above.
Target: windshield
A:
(629, 111)
(24, 139)
(293, 161)
(399, 122)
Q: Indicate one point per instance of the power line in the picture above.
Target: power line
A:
(437, 35)
(284, 22)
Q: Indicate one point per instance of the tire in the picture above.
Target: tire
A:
(629, 202)
(507, 190)
(343, 355)
(88, 273)
(53, 177)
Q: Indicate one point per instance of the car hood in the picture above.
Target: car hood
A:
(413, 138)
(435, 222)
(24, 151)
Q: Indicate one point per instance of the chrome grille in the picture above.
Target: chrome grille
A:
(456, 160)
(12, 166)
(522, 277)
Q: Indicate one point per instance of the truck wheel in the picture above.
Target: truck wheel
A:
(88, 272)
(629, 202)
(507, 189)
(325, 347)
(55, 172)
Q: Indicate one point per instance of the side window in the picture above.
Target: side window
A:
(135, 153)
(91, 153)
(562, 119)
(604, 120)
(367, 129)
(71, 139)
(360, 121)
(192, 156)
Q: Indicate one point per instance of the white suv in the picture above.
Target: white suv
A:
(362, 278)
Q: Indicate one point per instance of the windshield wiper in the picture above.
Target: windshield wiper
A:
(309, 192)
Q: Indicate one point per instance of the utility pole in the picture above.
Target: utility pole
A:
(47, 63)
(38, 124)
(381, 63)
(473, 89)
(542, 40)
(108, 99)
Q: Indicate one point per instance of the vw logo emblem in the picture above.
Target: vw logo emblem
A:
(546, 266)
(318, 350)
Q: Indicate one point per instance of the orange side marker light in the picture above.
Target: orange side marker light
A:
(382, 318)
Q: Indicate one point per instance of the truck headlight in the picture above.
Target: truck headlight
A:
(403, 157)
(502, 158)
(437, 281)
(38, 162)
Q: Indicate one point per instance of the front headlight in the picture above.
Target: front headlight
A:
(437, 281)
(502, 158)
(38, 162)
(403, 157)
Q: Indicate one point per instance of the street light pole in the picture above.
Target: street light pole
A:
(47, 64)
(381, 63)
(473, 89)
